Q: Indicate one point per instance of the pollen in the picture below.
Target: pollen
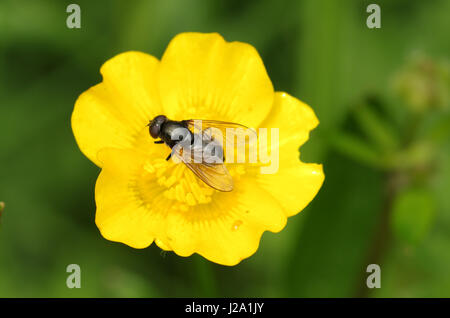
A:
(178, 183)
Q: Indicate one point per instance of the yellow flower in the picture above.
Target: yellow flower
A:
(142, 198)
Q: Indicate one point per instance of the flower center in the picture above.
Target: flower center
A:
(180, 184)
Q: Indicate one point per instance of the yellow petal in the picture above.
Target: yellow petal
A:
(295, 183)
(114, 112)
(294, 120)
(293, 186)
(134, 210)
(202, 76)
(162, 245)
(122, 215)
(227, 230)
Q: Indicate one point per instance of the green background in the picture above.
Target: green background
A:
(382, 98)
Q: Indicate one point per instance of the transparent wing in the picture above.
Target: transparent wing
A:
(227, 133)
(215, 175)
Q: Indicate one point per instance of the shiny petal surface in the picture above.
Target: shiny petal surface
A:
(227, 230)
(202, 75)
(122, 213)
(114, 113)
(295, 183)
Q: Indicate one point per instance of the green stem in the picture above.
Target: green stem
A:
(205, 277)
(382, 235)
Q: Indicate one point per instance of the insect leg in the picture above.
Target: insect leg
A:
(159, 142)
(168, 157)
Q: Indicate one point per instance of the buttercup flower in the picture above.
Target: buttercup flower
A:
(142, 198)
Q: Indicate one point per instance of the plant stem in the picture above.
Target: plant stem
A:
(382, 235)
(205, 277)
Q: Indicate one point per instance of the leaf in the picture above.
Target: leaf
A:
(439, 132)
(412, 215)
(356, 148)
(376, 128)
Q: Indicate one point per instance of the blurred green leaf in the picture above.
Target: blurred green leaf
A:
(418, 155)
(440, 131)
(376, 128)
(356, 148)
(413, 214)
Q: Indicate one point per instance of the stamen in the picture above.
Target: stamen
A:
(179, 184)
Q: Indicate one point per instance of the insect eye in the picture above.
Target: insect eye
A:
(154, 130)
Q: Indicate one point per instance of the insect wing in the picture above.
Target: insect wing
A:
(215, 175)
(227, 133)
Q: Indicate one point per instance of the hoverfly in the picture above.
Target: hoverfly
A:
(206, 167)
